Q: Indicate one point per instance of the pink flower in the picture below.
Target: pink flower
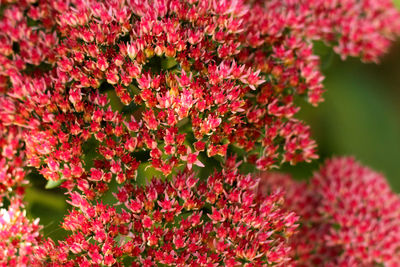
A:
(168, 80)
(191, 159)
(218, 74)
(170, 222)
(349, 215)
(12, 161)
(19, 237)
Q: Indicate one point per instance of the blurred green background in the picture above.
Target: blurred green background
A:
(360, 117)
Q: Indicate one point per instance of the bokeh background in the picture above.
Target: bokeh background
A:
(360, 117)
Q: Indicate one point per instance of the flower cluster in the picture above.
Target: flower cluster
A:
(27, 42)
(194, 75)
(18, 237)
(12, 173)
(174, 85)
(349, 215)
(181, 70)
(355, 28)
(182, 222)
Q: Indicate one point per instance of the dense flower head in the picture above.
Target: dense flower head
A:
(12, 159)
(355, 28)
(92, 90)
(19, 236)
(349, 216)
(190, 86)
(196, 77)
(182, 222)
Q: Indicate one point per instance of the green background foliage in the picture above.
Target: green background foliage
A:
(360, 114)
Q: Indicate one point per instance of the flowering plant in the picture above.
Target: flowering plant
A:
(147, 113)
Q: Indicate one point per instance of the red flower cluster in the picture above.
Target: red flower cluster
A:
(184, 71)
(196, 76)
(12, 173)
(174, 83)
(184, 222)
(19, 237)
(349, 216)
(355, 28)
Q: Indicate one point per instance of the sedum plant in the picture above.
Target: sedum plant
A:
(161, 121)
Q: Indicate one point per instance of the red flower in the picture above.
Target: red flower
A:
(19, 237)
(172, 223)
(349, 215)
(182, 81)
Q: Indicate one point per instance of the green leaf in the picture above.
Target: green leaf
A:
(168, 63)
(146, 172)
(53, 184)
(115, 102)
